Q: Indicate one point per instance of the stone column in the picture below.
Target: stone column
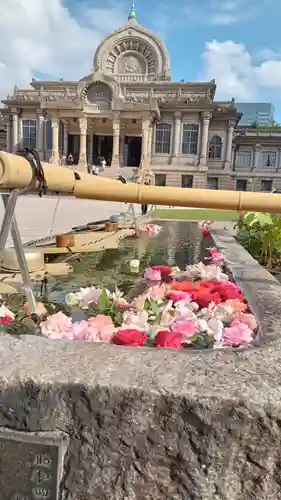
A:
(65, 139)
(177, 135)
(15, 134)
(20, 133)
(229, 141)
(206, 117)
(55, 141)
(8, 136)
(83, 145)
(91, 148)
(116, 142)
(121, 152)
(257, 156)
(144, 146)
(278, 163)
(40, 134)
(150, 141)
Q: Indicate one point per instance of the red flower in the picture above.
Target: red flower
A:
(184, 286)
(171, 340)
(229, 290)
(6, 320)
(207, 285)
(204, 298)
(129, 337)
(164, 270)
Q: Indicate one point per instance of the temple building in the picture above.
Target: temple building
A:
(130, 112)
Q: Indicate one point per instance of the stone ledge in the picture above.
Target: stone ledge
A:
(159, 424)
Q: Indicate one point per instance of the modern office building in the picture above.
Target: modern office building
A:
(261, 113)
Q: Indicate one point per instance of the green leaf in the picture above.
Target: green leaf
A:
(104, 300)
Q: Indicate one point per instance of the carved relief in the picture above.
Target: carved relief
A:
(130, 64)
(141, 57)
(24, 96)
(59, 97)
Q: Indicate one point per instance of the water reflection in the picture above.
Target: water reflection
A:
(178, 244)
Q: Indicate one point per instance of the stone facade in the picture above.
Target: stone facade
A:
(129, 111)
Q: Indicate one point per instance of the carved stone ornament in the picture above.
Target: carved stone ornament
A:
(138, 50)
(59, 97)
(24, 96)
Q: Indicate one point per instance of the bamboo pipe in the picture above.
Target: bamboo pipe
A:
(16, 172)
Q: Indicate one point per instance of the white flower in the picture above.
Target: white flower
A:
(134, 266)
(72, 299)
(4, 311)
(215, 327)
(87, 296)
(203, 272)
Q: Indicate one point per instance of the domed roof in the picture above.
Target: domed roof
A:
(133, 53)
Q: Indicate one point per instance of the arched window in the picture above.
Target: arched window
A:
(215, 147)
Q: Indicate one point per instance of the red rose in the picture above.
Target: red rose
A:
(133, 338)
(229, 290)
(184, 286)
(6, 320)
(204, 298)
(164, 270)
(207, 285)
(171, 340)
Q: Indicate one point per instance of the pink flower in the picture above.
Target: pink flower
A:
(122, 304)
(216, 257)
(80, 330)
(164, 270)
(237, 335)
(236, 305)
(247, 319)
(139, 302)
(57, 326)
(100, 329)
(152, 274)
(171, 340)
(185, 328)
(177, 296)
(158, 292)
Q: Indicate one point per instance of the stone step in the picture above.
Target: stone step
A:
(113, 172)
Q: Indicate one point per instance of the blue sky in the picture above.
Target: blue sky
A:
(237, 42)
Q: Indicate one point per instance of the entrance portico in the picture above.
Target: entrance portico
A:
(122, 142)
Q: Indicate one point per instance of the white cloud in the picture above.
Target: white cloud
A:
(237, 73)
(39, 36)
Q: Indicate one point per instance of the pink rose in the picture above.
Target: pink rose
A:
(171, 340)
(57, 326)
(185, 328)
(216, 258)
(177, 296)
(80, 330)
(152, 274)
(237, 335)
(100, 328)
(236, 305)
(247, 319)
(157, 292)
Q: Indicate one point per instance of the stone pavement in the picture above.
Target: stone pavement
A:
(41, 217)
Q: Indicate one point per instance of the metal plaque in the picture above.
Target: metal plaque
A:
(30, 465)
